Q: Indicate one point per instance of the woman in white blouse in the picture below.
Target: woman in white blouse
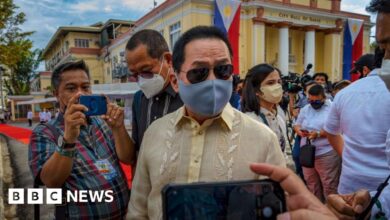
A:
(323, 179)
(262, 93)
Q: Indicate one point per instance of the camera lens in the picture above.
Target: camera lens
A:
(94, 106)
(267, 212)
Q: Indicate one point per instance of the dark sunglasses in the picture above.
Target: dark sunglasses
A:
(198, 75)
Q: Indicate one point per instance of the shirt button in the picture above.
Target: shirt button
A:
(196, 161)
(200, 132)
(157, 98)
(155, 117)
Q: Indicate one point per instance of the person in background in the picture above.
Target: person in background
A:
(296, 151)
(86, 151)
(357, 125)
(7, 115)
(57, 112)
(42, 116)
(323, 80)
(303, 101)
(235, 99)
(364, 65)
(29, 117)
(2, 117)
(262, 94)
(48, 115)
(240, 85)
(348, 205)
(323, 179)
(148, 58)
(302, 204)
(338, 86)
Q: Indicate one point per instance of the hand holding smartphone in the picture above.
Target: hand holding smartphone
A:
(96, 104)
(256, 199)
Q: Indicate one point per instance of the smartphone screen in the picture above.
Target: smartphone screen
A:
(258, 199)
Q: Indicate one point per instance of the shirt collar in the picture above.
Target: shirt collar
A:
(267, 112)
(374, 72)
(328, 102)
(226, 117)
(168, 90)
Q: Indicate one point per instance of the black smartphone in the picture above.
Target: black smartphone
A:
(96, 104)
(254, 199)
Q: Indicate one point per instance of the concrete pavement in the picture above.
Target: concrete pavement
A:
(6, 181)
(15, 173)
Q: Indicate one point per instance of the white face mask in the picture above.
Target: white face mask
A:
(151, 87)
(385, 73)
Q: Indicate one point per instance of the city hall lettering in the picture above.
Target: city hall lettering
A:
(299, 17)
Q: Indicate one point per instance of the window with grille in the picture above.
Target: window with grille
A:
(81, 43)
(174, 33)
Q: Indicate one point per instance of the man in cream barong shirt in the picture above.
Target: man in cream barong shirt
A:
(206, 140)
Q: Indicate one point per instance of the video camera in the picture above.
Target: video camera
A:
(293, 82)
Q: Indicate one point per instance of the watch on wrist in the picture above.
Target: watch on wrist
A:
(61, 143)
(65, 149)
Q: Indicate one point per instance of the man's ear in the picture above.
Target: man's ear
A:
(366, 70)
(168, 58)
(173, 77)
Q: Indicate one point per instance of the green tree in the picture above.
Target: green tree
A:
(14, 44)
(16, 50)
(18, 81)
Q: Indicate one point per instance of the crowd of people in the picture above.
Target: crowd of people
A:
(184, 130)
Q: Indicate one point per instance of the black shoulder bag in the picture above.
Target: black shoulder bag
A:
(307, 155)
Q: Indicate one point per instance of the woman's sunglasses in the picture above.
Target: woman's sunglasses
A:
(198, 75)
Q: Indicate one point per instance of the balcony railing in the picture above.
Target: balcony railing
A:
(120, 71)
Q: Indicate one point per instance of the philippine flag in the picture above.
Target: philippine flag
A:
(353, 46)
(227, 18)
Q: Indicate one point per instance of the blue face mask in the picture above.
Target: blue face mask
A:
(317, 104)
(207, 98)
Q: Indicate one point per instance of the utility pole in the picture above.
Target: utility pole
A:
(154, 3)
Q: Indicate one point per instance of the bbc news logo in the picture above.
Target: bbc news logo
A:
(55, 196)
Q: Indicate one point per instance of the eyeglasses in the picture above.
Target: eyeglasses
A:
(198, 75)
(149, 74)
(146, 75)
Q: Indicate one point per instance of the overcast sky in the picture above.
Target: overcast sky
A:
(45, 16)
